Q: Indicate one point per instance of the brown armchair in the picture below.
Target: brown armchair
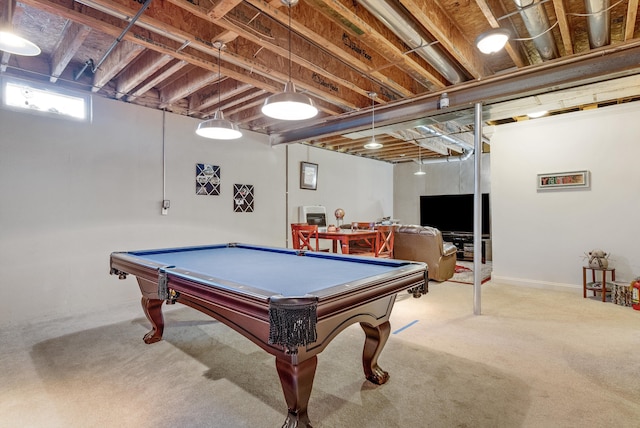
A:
(425, 244)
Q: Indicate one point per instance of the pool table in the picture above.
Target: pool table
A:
(291, 303)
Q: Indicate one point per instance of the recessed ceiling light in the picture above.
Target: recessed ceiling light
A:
(492, 41)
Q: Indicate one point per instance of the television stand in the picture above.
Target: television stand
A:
(464, 245)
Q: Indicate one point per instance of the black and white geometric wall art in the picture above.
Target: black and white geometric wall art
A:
(207, 179)
(243, 198)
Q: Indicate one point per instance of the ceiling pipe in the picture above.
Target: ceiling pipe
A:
(395, 19)
(466, 154)
(598, 22)
(90, 62)
(125, 31)
(537, 23)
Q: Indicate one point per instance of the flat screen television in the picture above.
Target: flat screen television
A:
(453, 213)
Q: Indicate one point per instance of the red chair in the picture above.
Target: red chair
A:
(385, 241)
(303, 235)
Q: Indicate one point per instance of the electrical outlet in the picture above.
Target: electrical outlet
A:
(165, 206)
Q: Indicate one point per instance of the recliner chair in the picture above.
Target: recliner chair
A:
(425, 244)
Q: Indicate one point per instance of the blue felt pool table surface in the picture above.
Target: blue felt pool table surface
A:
(275, 271)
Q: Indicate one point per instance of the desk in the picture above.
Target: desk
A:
(344, 236)
(596, 286)
(290, 303)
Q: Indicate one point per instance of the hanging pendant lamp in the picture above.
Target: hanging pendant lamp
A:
(289, 105)
(373, 144)
(12, 43)
(218, 128)
(420, 171)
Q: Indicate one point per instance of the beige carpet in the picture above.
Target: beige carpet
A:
(535, 358)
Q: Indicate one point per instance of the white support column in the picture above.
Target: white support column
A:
(477, 212)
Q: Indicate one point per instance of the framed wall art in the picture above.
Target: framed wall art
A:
(207, 179)
(243, 198)
(308, 175)
(564, 180)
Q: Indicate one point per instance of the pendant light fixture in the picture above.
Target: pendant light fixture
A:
(10, 42)
(289, 105)
(420, 171)
(373, 144)
(219, 128)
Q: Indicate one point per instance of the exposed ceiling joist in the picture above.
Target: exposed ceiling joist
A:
(409, 52)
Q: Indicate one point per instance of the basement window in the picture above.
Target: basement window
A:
(39, 99)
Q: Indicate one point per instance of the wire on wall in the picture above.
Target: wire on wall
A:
(164, 210)
(164, 158)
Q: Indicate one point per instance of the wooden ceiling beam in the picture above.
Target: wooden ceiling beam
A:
(366, 35)
(250, 104)
(630, 23)
(221, 8)
(124, 52)
(207, 97)
(199, 33)
(330, 41)
(140, 70)
(238, 101)
(73, 36)
(563, 23)
(262, 33)
(147, 39)
(189, 83)
(160, 76)
(430, 14)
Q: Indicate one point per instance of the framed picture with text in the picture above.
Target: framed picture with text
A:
(308, 175)
(563, 180)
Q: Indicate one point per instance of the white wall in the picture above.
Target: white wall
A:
(446, 178)
(73, 193)
(362, 187)
(539, 238)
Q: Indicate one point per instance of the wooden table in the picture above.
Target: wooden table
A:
(344, 236)
(594, 285)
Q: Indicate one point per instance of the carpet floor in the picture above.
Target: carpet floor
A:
(534, 358)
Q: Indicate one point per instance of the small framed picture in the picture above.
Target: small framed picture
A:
(563, 180)
(308, 175)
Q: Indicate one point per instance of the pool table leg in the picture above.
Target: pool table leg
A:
(153, 310)
(297, 381)
(373, 344)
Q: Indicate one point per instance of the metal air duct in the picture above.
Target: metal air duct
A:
(598, 23)
(432, 132)
(537, 22)
(463, 157)
(466, 148)
(392, 16)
